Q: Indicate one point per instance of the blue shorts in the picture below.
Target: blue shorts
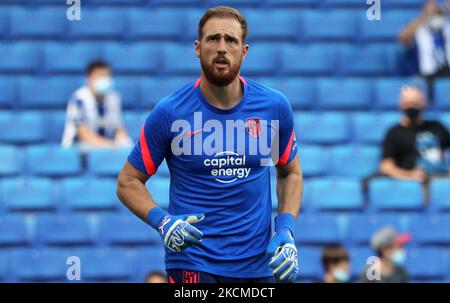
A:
(193, 276)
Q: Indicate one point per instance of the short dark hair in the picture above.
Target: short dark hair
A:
(333, 254)
(95, 65)
(223, 11)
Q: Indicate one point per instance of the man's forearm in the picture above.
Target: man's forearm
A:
(289, 192)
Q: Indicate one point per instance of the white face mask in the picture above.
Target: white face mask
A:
(436, 22)
(103, 85)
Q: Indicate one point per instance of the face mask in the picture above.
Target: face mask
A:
(412, 113)
(341, 276)
(398, 257)
(103, 85)
(436, 22)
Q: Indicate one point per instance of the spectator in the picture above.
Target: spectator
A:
(335, 261)
(156, 277)
(389, 246)
(94, 114)
(415, 148)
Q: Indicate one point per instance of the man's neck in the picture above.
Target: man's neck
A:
(406, 122)
(223, 97)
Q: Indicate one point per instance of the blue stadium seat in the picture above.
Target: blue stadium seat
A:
(316, 230)
(387, 91)
(181, 60)
(133, 123)
(309, 263)
(76, 58)
(159, 188)
(233, 3)
(262, 61)
(121, 2)
(13, 231)
(152, 90)
(359, 258)
(416, 4)
(178, 2)
(284, 24)
(22, 57)
(4, 21)
(28, 194)
(445, 119)
(299, 91)
(362, 227)
(388, 194)
(163, 170)
(191, 29)
(440, 193)
(314, 160)
(98, 24)
(165, 24)
(89, 194)
(52, 160)
(29, 127)
(362, 61)
(69, 230)
(132, 58)
(142, 267)
(441, 95)
(41, 93)
(8, 92)
(364, 161)
(316, 59)
(4, 265)
(324, 128)
(426, 263)
(292, 3)
(127, 230)
(336, 194)
(11, 161)
(55, 121)
(128, 89)
(388, 29)
(107, 162)
(343, 94)
(38, 23)
(431, 230)
(340, 26)
(371, 128)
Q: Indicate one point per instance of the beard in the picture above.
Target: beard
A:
(220, 77)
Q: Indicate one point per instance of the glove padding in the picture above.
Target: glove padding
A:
(284, 257)
(178, 233)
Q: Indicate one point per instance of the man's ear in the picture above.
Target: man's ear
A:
(245, 49)
(197, 48)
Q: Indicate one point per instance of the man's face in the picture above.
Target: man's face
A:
(412, 98)
(96, 75)
(221, 50)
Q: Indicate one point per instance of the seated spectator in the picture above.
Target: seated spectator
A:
(389, 247)
(156, 277)
(427, 39)
(335, 261)
(94, 114)
(415, 148)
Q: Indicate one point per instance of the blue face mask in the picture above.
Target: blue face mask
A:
(103, 85)
(398, 257)
(341, 275)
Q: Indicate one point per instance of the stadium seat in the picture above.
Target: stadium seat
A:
(141, 265)
(128, 230)
(98, 24)
(128, 89)
(163, 170)
(316, 59)
(343, 94)
(440, 193)
(445, 119)
(359, 260)
(293, 3)
(191, 28)
(336, 194)
(361, 227)
(431, 230)
(134, 122)
(340, 26)
(263, 61)
(441, 95)
(69, 230)
(121, 2)
(22, 57)
(153, 90)
(28, 127)
(393, 21)
(28, 194)
(362, 61)
(75, 60)
(178, 2)
(364, 161)
(38, 23)
(166, 24)
(387, 91)
(343, 3)
(52, 160)
(388, 194)
(4, 265)
(55, 122)
(13, 231)
(426, 263)
(300, 92)
(11, 161)
(283, 25)
(324, 128)
(316, 230)
(416, 4)
(309, 263)
(233, 3)
(107, 162)
(181, 60)
(8, 92)
(371, 128)
(314, 160)
(159, 187)
(42, 93)
(132, 58)
(89, 194)
(4, 22)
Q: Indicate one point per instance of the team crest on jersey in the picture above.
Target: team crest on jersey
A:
(253, 126)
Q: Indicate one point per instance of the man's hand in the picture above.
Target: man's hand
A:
(417, 174)
(282, 250)
(176, 231)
